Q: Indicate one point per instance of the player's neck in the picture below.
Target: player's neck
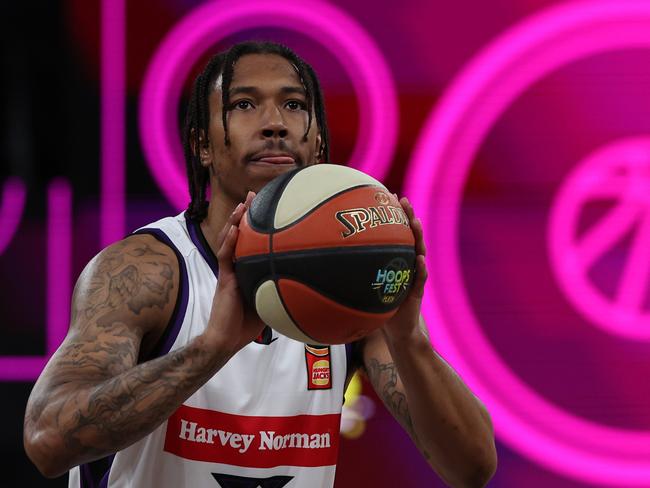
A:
(220, 208)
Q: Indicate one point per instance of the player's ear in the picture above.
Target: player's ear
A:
(201, 147)
(320, 149)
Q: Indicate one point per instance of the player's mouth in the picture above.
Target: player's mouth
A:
(273, 158)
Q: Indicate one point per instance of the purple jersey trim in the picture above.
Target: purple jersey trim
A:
(95, 474)
(348, 359)
(168, 338)
(351, 362)
(199, 240)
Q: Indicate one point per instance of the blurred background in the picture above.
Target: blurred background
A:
(538, 228)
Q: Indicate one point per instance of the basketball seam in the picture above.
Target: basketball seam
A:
(284, 305)
(272, 256)
(325, 250)
(312, 210)
(275, 281)
(331, 297)
(289, 177)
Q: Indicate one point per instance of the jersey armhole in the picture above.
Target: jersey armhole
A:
(173, 327)
(352, 362)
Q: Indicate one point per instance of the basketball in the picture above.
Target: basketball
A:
(325, 254)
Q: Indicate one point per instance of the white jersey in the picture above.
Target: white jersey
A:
(269, 418)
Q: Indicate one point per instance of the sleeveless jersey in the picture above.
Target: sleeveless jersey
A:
(269, 418)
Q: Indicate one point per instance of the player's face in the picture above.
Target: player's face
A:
(266, 123)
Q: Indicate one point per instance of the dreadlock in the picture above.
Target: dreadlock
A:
(197, 120)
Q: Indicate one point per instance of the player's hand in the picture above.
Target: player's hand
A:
(232, 325)
(406, 320)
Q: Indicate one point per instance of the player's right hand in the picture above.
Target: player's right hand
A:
(232, 325)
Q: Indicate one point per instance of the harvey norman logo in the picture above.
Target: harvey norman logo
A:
(261, 442)
(267, 439)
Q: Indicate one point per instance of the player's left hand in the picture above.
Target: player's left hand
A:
(406, 320)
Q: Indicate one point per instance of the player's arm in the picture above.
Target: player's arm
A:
(449, 425)
(93, 398)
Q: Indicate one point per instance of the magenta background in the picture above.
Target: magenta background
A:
(503, 243)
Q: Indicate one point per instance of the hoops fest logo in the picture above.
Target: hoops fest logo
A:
(393, 280)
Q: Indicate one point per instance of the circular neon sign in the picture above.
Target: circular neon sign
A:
(523, 419)
(207, 24)
(618, 173)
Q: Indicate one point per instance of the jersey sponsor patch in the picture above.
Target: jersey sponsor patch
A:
(319, 371)
(257, 442)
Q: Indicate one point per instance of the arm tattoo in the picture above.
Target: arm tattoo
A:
(113, 284)
(94, 393)
(383, 377)
(124, 409)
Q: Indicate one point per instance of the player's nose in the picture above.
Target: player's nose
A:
(273, 124)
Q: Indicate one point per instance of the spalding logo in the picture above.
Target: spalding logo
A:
(357, 220)
(382, 198)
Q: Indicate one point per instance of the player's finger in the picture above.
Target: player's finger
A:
(416, 226)
(418, 233)
(421, 275)
(233, 219)
(408, 209)
(227, 250)
(237, 214)
(249, 199)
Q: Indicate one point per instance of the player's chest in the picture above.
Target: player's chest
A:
(281, 365)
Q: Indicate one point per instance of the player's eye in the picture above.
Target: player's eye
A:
(242, 105)
(295, 105)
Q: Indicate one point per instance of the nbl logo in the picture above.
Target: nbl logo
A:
(392, 280)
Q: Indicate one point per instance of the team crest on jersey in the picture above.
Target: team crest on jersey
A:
(319, 371)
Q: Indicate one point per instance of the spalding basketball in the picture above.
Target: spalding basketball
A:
(325, 254)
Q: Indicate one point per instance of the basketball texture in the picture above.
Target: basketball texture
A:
(325, 254)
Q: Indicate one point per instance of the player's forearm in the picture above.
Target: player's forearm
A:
(450, 425)
(78, 423)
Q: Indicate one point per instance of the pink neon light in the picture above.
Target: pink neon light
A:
(11, 210)
(59, 262)
(497, 76)
(572, 260)
(213, 21)
(59, 239)
(113, 214)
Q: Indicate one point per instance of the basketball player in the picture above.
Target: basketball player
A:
(165, 379)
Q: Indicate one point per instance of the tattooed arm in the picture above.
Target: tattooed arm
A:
(448, 424)
(93, 398)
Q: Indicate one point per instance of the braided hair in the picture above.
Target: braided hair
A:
(197, 119)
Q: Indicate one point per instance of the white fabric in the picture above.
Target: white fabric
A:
(260, 380)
